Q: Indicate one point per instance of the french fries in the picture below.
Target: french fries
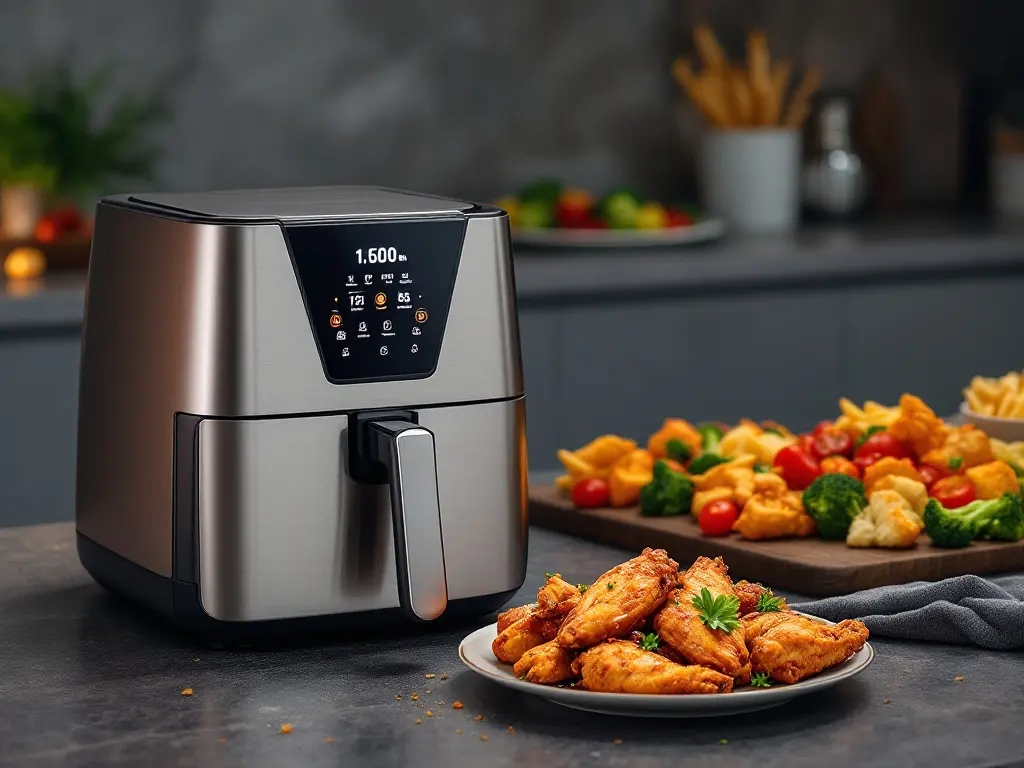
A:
(1001, 397)
(734, 96)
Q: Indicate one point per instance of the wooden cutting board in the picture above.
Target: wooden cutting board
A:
(805, 566)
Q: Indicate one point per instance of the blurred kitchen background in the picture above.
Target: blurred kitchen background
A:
(912, 281)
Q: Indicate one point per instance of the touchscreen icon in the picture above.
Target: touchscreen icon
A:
(415, 348)
(416, 331)
(335, 320)
(341, 336)
(383, 350)
(344, 351)
(351, 279)
(380, 299)
(387, 325)
(367, 279)
(421, 315)
(362, 327)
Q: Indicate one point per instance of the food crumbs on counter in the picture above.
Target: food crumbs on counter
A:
(457, 705)
(186, 691)
(415, 697)
(286, 728)
(430, 676)
(478, 718)
(195, 659)
(958, 679)
(512, 730)
(430, 713)
(329, 740)
(398, 698)
(885, 701)
(723, 742)
(458, 731)
(484, 737)
(222, 741)
(427, 691)
(440, 703)
(617, 742)
(444, 675)
(419, 721)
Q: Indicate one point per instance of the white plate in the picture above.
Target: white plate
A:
(475, 652)
(702, 231)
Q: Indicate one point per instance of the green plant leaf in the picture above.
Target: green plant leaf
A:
(721, 612)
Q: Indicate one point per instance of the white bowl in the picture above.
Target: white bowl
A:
(1007, 430)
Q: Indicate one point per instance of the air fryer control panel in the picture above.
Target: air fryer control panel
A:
(377, 293)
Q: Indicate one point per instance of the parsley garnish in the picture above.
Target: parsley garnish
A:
(768, 603)
(762, 468)
(869, 432)
(650, 641)
(550, 575)
(721, 612)
(582, 587)
(610, 585)
(760, 680)
(955, 463)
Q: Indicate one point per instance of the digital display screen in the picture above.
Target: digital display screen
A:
(377, 293)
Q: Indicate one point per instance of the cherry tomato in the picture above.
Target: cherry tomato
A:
(930, 475)
(863, 462)
(822, 426)
(716, 517)
(953, 492)
(590, 492)
(799, 469)
(839, 465)
(806, 443)
(831, 442)
(679, 219)
(572, 208)
(882, 443)
(587, 222)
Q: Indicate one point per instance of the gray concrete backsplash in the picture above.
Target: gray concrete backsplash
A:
(474, 98)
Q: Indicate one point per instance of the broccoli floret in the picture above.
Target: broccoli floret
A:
(710, 435)
(946, 527)
(704, 462)
(669, 493)
(677, 450)
(833, 500)
(1001, 519)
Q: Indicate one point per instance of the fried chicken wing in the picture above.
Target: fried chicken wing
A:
(548, 664)
(556, 598)
(512, 615)
(678, 622)
(619, 666)
(620, 599)
(790, 647)
(749, 594)
(510, 644)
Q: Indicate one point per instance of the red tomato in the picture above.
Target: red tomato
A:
(799, 469)
(839, 465)
(821, 427)
(679, 219)
(716, 517)
(863, 462)
(573, 207)
(831, 442)
(590, 492)
(930, 475)
(883, 444)
(953, 492)
(806, 443)
(587, 222)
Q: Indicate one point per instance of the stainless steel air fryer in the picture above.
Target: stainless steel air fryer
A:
(302, 408)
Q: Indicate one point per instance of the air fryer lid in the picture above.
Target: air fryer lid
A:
(300, 203)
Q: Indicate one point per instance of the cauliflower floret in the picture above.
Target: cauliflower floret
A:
(749, 438)
(733, 481)
(913, 491)
(992, 480)
(774, 517)
(887, 521)
(918, 426)
(970, 445)
(889, 466)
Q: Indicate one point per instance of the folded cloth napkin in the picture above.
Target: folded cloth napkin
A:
(965, 610)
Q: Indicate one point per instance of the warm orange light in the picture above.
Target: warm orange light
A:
(24, 264)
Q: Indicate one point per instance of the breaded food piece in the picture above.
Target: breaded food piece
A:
(774, 516)
(678, 622)
(556, 598)
(913, 491)
(887, 521)
(918, 426)
(993, 479)
(547, 663)
(887, 466)
(510, 644)
(512, 615)
(967, 443)
(620, 599)
(790, 647)
(749, 594)
(619, 666)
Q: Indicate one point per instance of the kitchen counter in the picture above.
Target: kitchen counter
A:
(86, 681)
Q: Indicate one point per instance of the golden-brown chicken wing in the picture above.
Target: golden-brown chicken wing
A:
(548, 663)
(749, 594)
(510, 644)
(556, 598)
(772, 513)
(619, 666)
(678, 622)
(620, 599)
(512, 615)
(791, 647)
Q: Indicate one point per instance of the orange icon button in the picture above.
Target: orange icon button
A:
(380, 299)
(335, 320)
(421, 315)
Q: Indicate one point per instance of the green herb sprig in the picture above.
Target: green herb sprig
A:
(721, 612)
(610, 585)
(582, 587)
(868, 433)
(955, 463)
(650, 641)
(768, 603)
(760, 680)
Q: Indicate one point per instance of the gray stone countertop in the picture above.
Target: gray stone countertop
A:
(87, 681)
(836, 255)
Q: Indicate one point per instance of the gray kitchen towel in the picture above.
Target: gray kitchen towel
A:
(965, 610)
